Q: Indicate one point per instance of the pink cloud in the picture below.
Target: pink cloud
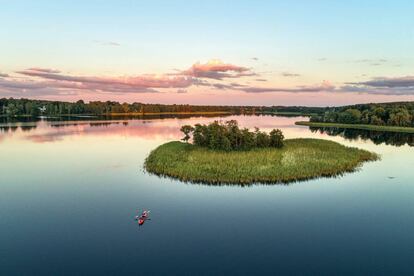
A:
(142, 83)
(46, 81)
(200, 79)
(216, 69)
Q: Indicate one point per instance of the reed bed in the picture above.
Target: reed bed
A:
(299, 159)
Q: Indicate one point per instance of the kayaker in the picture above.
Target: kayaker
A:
(141, 218)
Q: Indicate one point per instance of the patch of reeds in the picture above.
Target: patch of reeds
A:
(299, 159)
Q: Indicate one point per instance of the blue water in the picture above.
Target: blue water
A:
(69, 192)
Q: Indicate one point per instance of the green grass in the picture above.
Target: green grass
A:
(358, 126)
(299, 159)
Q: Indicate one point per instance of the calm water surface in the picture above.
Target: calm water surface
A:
(69, 192)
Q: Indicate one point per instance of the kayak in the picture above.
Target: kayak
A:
(142, 218)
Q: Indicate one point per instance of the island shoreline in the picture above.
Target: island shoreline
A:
(299, 160)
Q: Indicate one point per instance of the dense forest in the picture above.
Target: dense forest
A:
(393, 114)
(26, 107)
(390, 114)
(228, 136)
(13, 107)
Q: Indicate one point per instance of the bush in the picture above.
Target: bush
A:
(262, 139)
(186, 130)
(276, 138)
(228, 136)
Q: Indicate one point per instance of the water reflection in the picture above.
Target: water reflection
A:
(55, 132)
(68, 187)
(247, 185)
(29, 119)
(148, 128)
(377, 137)
(167, 128)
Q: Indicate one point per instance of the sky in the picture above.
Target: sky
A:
(313, 53)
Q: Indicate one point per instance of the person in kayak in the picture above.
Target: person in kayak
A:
(142, 218)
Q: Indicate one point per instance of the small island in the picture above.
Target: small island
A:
(222, 153)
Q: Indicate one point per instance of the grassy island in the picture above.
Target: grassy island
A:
(299, 159)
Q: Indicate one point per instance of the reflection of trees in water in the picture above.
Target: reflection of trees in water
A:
(27, 127)
(10, 120)
(4, 120)
(163, 116)
(377, 137)
(12, 127)
(8, 128)
(29, 123)
(247, 185)
(283, 115)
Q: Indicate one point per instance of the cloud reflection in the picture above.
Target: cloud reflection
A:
(149, 129)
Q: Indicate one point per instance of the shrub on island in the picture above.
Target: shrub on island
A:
(228, 136)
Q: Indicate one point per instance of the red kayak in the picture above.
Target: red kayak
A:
(143, 217)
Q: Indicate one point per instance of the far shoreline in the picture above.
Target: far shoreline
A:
(357, 126)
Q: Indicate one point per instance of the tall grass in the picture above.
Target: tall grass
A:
(299, 159)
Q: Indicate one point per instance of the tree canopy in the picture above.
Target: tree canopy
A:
(228, 136)
(390, 114)
(27, 107)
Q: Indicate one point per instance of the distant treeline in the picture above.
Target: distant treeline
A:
(27, 107)
(13, 107)
(390, 114)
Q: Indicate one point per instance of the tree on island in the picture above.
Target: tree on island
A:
(276, 138)
(228, 136)
(187, 129)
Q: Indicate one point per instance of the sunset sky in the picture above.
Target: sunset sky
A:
(313, 53)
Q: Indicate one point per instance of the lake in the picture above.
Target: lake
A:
(69, 191)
